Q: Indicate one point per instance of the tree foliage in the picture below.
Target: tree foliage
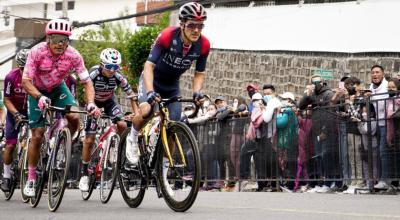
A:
(134, 47)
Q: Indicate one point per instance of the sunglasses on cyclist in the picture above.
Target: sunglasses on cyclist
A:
(57, 39)
(193, 26)
(111, 67)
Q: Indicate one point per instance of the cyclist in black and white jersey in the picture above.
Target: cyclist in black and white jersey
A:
(106, 77)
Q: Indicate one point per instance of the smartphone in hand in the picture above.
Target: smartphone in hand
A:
(341, 85)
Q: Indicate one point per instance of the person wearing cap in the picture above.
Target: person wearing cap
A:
(324, 131)
(251, 90)
(47, 65)
(224, 112)
(255, 145)
(287, 126)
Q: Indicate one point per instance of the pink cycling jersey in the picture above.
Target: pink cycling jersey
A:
(48, 71)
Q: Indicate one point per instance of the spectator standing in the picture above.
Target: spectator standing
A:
(319, 95)
(379, 88)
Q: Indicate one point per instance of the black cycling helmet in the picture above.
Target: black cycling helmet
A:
(192, 11)
(20, 58)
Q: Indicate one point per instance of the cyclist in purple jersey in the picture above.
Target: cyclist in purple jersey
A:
(105, 77)
(15, 100)
(174, 51)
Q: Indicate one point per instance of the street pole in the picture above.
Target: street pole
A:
(65, 9)
(145, 9)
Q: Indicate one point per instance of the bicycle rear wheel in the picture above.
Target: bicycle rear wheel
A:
(110, 169)
(183, 176)
(59, 166)
(23, 174)
(131, 182)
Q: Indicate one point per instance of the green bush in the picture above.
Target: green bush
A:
(92, 42)
(139, 45)
(134, 47)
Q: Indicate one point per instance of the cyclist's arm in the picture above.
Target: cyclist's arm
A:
(10, 106)
(148, 75)
(30, 88)
(201, 62)
(198, 81)
(28, 74)
(8, 88)
(89, 91)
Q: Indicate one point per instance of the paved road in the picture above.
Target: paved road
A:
(215, 205)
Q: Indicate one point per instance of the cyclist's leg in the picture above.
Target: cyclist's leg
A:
(90, 131)
(62, 97)
(37, 130)
(11, 141)
(113, 110)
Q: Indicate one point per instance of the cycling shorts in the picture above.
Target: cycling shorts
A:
(111, 109)
(174, 108)
(11, 132)
(60, 97)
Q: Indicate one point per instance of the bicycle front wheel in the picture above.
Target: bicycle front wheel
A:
(23, 173)
(41, 176)
(110, 169)
(8, 195)
(59, 166)
(180, 182)
(131, 181)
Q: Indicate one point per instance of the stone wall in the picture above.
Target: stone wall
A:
(228, 72)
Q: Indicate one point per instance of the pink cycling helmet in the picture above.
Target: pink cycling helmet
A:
(59, 26)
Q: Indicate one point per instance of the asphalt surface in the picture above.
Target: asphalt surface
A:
(213, 205)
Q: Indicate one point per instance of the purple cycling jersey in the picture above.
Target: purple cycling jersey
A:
(14, 91)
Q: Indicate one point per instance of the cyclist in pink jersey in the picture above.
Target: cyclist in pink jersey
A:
(47, 66)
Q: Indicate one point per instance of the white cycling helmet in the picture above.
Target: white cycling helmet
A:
(110, 56)
(21, 56)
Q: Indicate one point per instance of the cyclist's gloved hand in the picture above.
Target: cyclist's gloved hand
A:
(198, 97)
(152, 97)
(43, 102)
(93, 110)
(18, 117)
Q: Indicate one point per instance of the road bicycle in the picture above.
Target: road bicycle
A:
(159, 138)
(103, 164)
(19, 154)
(55, 156)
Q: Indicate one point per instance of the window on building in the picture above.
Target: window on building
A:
(71, 5)
(59, 5)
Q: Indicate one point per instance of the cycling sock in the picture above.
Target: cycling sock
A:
(85, 167)
(31, 173)
(7, 171)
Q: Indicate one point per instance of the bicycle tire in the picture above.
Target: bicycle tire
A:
(125, 176)
(181, 131)
(23, 174)
(111, 156)
(92, 175)
(63, 146)
(8, 195)
(41, 175)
